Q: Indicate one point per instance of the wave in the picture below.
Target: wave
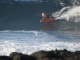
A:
(31, 41)
(69, 13)
(6, 47)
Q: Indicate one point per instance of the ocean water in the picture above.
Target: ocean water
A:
(30, 41)
(21, 30)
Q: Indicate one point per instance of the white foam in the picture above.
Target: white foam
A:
(71, 13)
(30, 41)
(7, 47)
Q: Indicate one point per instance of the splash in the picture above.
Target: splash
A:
(69, 13)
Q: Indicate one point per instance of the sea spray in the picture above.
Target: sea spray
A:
(69, 14)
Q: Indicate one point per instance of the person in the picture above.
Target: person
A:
(44, 15)
(46, 18)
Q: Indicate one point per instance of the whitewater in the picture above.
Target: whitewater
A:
(30, 41)
(69, 13)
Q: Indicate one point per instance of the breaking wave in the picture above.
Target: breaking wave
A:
(30, 41)
(69, 13)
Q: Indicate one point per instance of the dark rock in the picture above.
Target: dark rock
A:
(23, 57)
(20, 56)
(47, 55)
(5, 58)
(40, 54)
(63, 52)
(44, 55)
(77, 55)
(14, 54)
